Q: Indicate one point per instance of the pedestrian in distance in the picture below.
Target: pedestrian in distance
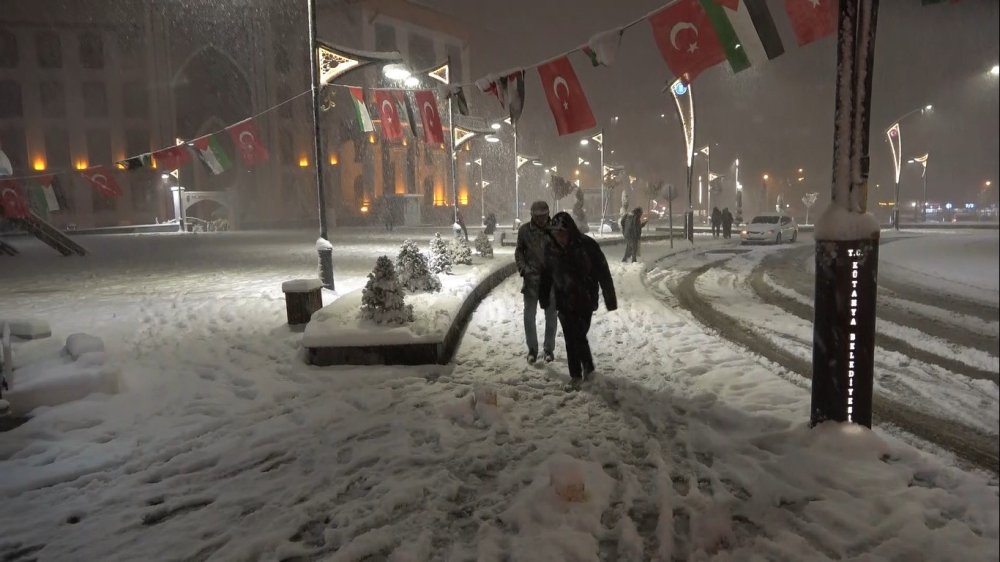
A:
(632, 226)
(727, 224)
(575, 271)
(385, 213)
(529, 255)
(716, 222)
(490, 224)
(460, 222)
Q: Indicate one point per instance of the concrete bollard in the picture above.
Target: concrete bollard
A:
(303, 297)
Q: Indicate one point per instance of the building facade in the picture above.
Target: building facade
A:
(80, 87)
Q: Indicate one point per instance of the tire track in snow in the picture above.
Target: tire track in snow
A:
(967, 443)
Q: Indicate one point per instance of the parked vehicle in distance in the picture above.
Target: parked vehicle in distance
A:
(772, 228)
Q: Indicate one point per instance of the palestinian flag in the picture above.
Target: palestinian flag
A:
(730, 43)
(210, 151)
(41, 194)
(758, 36)
(361, 110)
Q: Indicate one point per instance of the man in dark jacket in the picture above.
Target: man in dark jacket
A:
(727, 223)
(529, 255)
(716, 221)
(460, 224)
(575, 268)
(632, 231)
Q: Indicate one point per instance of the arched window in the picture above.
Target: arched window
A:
(8, 49)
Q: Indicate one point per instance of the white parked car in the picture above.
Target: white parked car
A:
(770, 228)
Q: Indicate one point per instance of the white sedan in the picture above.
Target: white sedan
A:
(771, 228)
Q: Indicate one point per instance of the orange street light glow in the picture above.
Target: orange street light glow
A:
(38, 164)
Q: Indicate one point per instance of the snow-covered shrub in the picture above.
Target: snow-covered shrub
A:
(440, 260)
(461, 252)
(411, 267)
(382, 297)
(483, 245)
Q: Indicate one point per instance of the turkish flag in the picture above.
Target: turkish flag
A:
(172, 158)
(427, 104)
(812, 19)
(103, 181)
(246, 138)
(686, 39)
(565, 96)
(386, 102)
(13, 203)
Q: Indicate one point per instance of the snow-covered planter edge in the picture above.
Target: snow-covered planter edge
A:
(331, 341)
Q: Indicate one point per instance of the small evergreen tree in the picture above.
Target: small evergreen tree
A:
(411, 266)
(382, 297)
(440, 260)
(483, 245)
(579, 213)
(461, 253)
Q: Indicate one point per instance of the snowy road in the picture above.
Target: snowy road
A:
(224, 445)
(936, 364)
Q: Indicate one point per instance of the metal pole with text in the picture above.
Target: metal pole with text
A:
(847, 254)
(325, 251)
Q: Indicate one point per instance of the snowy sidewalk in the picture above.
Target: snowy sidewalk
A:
(686, 447)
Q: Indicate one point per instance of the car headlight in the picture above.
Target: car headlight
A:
(743, 232)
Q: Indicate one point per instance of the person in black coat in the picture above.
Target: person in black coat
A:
(727, 223)
(716, 221)
(575, 269)
(632, 232)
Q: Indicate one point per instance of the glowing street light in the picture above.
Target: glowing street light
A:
(995, 71)
(684, 98)
(584, 141)
(896, 146)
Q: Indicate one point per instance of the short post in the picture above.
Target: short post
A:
(303, 297)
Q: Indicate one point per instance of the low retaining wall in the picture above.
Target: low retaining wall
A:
(414, 353)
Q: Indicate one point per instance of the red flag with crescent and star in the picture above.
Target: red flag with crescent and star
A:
(686, 39)
(386, 102)
(13, 203)
(103, 180)
(565, 96)
(427, 105)
(172, 158)
(246, 138)
(812, 19)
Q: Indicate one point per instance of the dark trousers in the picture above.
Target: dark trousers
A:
(631, 250)
(575, 326)
(715, 230)
(727, 230)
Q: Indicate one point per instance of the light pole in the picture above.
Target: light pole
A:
(684, 98)
(739, 195)
(896, 145)
(763, 181)
(922, 160)
(707, 151)
(329, 62)
(482, 189)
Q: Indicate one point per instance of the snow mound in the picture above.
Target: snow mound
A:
(301, 285)
(62, 378)
(79, 344)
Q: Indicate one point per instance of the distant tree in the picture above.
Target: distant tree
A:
(412, 269)
(579, 212)
(382, 297)
(809, 199)
(561, 187)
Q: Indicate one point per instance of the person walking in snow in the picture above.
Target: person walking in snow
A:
(632, 231)
(491, 224)
(460, 221)
(385, 212)
(727, 223)
(529, 255)
(575, 269)
(716, 221)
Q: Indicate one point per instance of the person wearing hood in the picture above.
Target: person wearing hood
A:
(632, 232)
(575, 270)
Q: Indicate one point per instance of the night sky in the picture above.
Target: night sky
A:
(776, 117)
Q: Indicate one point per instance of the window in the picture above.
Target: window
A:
(91, 50)
(53, 98)
(129, 47)
(136, 142)
(49, 49)
(95, 99)
(455, 57)
(421, 51)
(10, 99)
(385, 37)
(12, 142)
(8, 49)
(135, 99)
(57, 148)
(99, 147)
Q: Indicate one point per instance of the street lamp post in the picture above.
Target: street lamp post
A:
(922, 160)
(684, 98)
(896, 146)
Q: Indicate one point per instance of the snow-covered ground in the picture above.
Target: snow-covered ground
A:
(223, 445)
(958, 262)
